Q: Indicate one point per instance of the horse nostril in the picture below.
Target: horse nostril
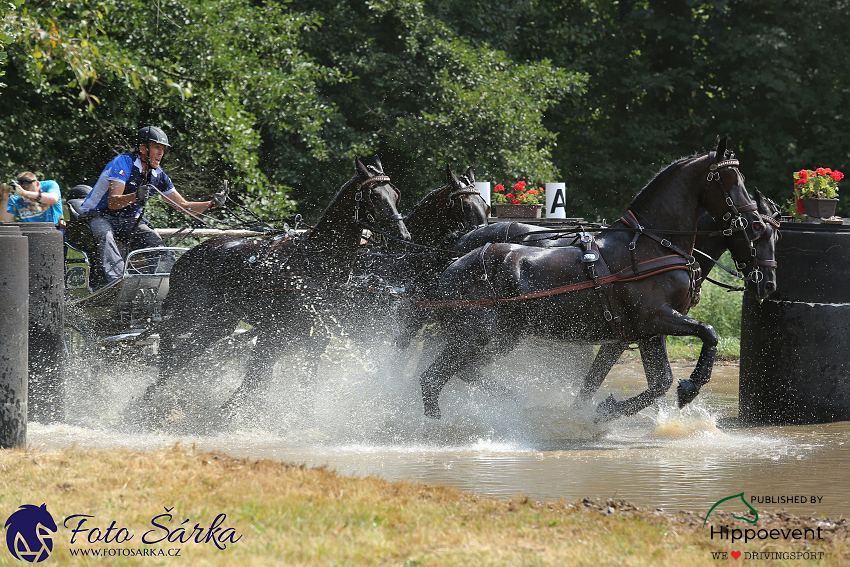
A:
(758, 227)
(770, 287)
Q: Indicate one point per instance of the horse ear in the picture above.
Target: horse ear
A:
(451, 177)
(722, 145)
(470, 174)
(361, 169)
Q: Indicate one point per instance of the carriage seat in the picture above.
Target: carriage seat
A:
(74, 207)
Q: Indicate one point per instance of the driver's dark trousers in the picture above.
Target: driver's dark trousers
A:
(107, 227)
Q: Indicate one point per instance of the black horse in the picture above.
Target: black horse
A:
(435, 224)
(448, 212)
(381, 272)
(285, 287)
(711, 242)
(633, 283)
(755, 260)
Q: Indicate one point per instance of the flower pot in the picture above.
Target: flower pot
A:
(507, 210)
(819, 208)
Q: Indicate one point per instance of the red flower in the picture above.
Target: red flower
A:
(499, 188)
(837, 175)
(520, 185)
(510, 196)
(802, 175)
(515, 202)
(533, 192)
(820, 171)
(802, 181)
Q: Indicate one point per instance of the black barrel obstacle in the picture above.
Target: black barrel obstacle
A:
(14, 317)
(795, 346)
(46, 321)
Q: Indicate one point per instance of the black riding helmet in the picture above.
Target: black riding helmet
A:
(78, 192)
(152, 134)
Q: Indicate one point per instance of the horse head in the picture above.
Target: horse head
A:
(468, 208)
(448, 212)
(725, 195)
(376, 200)
(762, 262)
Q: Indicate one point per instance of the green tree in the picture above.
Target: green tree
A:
(666, 77)
(422, 98)
(220, 96)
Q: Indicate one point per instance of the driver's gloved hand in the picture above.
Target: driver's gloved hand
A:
(143, 193)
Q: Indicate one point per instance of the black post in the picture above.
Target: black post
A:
(14, 316)
(46, 321)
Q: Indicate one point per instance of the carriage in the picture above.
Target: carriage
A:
(117, 316)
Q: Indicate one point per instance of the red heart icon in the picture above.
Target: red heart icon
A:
(736, 554)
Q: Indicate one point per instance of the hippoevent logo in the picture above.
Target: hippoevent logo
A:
(744, 535)
(29, 533)
(741, 496)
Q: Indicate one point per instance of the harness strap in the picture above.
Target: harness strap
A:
(461, 191)
(630, 220)
(374, 179)
(597, 269)
(648, 269)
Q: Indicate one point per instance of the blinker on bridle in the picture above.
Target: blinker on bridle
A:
(367, 184)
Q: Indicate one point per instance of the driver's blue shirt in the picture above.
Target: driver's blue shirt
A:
(126, 169)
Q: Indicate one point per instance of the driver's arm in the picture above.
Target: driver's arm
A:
(177, 201)
(117, 199)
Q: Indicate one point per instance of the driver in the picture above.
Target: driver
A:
(115, 205)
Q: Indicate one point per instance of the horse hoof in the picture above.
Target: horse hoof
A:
(686, 392)
(433, 412)
(608, 409)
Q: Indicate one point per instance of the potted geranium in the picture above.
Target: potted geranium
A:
(816, 191)
(523, 201)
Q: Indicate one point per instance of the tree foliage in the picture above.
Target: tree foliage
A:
(281, 96)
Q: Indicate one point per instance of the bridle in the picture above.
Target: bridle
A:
(756, 275)
(734, 216)
(459, 192)
(366, 187)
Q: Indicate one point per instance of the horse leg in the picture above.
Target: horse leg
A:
(659, 377)
(608, 355)
(410, 327)
(688, 389)
(450, 361)
(260, 366)
(503, 343)
(316, 345)
(173, 355)
(659, 374)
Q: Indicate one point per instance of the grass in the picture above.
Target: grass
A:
(292, 515)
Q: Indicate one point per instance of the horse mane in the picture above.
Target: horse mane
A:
(336, 197)
(426, 200)
(662, 174)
